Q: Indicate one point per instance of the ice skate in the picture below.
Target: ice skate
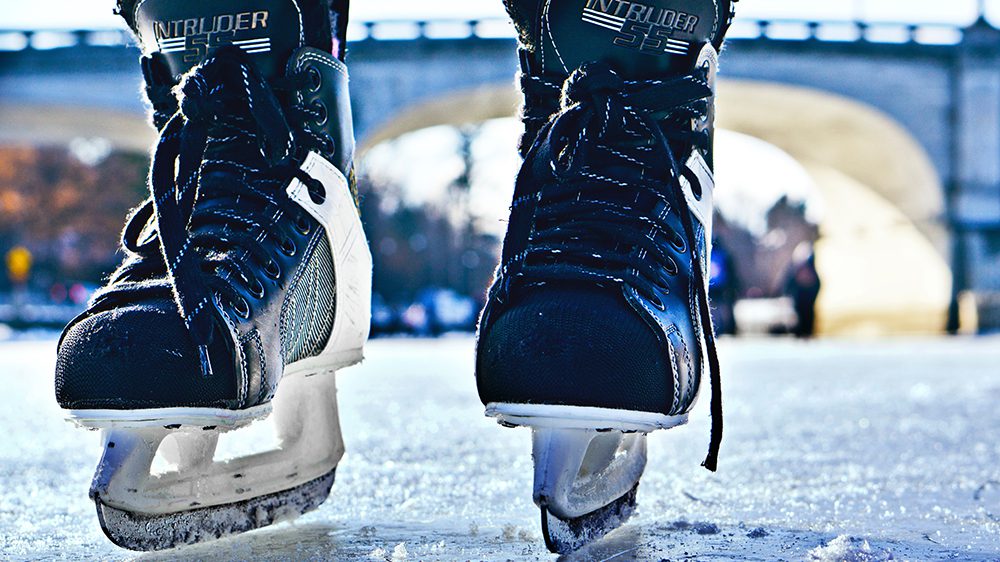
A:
(597, 330)
(246, 283)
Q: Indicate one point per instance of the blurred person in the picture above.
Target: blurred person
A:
(247, 266)
(803, 286)
(723, 289)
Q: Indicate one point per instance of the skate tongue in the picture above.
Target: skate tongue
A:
(186, 32)
(641, 40)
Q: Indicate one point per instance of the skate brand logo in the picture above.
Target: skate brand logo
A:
(195, 37)
(642, 27)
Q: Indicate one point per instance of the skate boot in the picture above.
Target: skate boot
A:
(597, 328)
(246, 282)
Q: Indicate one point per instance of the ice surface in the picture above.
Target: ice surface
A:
(828, 445)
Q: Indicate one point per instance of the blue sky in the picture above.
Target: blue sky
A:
(97, 13)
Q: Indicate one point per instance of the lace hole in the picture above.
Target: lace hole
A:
(302, 224)
(272, 269)
(672, 268)
(324, 115)
(696, 191)
(242, 308)
(257, 290)
(328, 144)
(317, 192)
(678, 243)
(288, 248)
(316, 79)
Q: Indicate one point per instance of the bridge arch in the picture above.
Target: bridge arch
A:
(821, 129)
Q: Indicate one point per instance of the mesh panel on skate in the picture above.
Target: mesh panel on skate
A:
(574, 346)
(308, 311)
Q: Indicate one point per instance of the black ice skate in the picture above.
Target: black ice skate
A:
(246, 281)
(597, 328)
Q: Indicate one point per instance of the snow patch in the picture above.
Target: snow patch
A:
(758, 533)
(514, 533)
(848, 549)
(399, 553)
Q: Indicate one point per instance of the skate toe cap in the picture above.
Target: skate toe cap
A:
(136, 357)
(576, 346)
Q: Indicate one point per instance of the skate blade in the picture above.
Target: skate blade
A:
(588, 462)
(201, 494)
(563, 536)
(580, 471)
(137, 531)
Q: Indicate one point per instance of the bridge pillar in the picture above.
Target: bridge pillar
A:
(974, 197)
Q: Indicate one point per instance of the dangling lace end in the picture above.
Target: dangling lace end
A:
(714, 372)
(206, 362)
(712, 460)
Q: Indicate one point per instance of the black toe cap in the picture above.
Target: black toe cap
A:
(138, 357)
(573, 346)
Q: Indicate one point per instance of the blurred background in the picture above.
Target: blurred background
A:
(858, 162)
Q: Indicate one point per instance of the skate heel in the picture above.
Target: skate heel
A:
(199, 498)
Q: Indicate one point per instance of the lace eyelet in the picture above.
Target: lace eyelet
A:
(657, 303)
(288, 248)
(320, 108)
(272, 269)
(678, 244)
(672, 269)
(257, 290)
(242, 308)
(317, 191)
(316, 79)
(303, 226)
(329, 145)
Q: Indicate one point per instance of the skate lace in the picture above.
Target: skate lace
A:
(217, 202)
(611, 179)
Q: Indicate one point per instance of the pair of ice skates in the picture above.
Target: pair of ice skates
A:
(246, 284)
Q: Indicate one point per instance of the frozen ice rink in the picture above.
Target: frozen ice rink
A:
(835, 450)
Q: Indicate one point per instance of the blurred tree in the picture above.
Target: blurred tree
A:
(416, 247)
(67, 213)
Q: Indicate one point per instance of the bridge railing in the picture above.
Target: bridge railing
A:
(497, 28)
(846, 31)
(43, 39)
